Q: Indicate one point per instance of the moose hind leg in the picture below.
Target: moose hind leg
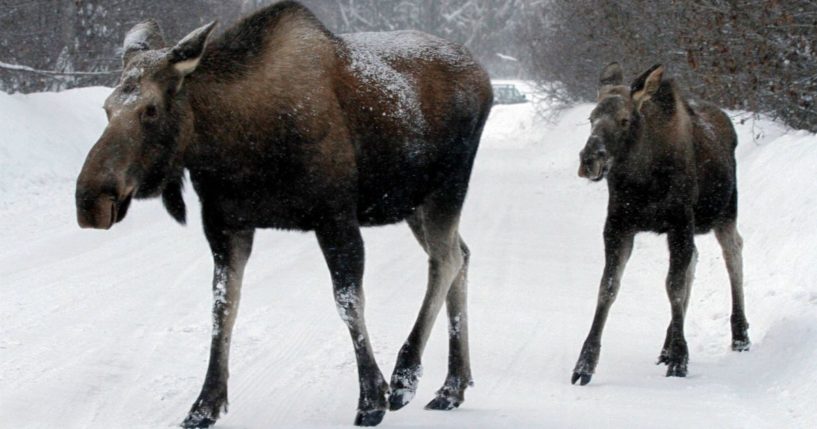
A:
(438, 229)
(342, 246)
(230, 253)
(732, 244)
(452, 393)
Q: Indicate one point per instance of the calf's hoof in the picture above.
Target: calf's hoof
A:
(586, 365)
(740, 333)
(404, 385)
(369, 417)
(741, 345)
(663, 357)
(197, 421)
(675, 355)
(676, 370)
(675, 367)
(582, 377)
(206, 410)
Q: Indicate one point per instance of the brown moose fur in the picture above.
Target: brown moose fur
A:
(282, 124)
(670, 168)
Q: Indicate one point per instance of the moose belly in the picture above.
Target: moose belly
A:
(390, 195)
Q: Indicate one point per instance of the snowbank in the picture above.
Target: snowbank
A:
(46, 136)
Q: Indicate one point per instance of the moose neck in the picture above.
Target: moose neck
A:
(249, 83)
(255, 98)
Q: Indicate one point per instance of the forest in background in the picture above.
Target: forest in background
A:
(755, 55)
(77, 43)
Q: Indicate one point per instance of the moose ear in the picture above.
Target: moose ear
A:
(646, 85)
(611, 74)
(186, 54)
(144, 36)
(653, 81)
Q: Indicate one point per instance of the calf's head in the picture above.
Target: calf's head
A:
(616, 120)
(149, 120)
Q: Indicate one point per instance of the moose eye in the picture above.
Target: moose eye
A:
(624, 122)
(150, 112)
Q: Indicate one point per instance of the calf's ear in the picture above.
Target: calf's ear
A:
(186, 54)
(646, 85)
(144, 36)
(611, 74)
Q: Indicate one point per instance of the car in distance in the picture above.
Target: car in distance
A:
(507, 93)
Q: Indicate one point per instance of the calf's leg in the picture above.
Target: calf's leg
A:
(690, 276)
(438, 229)
(682, 248)
(231, 249)
(342, 248)
(732, 244)
(618, 245)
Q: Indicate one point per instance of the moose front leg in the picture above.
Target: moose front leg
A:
(682, 251)
(231, 249)
(690, 276)
(618, 245)
(342, 247)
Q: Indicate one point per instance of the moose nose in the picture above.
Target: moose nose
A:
(96, 206)
(594, 148)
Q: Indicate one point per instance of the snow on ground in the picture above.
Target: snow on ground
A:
(105, 329)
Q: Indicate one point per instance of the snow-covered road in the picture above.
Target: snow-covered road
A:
(111, 329)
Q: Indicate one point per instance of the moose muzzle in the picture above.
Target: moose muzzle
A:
(104, 190)
(594, 160)
(100, 210)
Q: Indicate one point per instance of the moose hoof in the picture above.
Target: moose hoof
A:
(676, 370)
(403, 386)
(741, 345)
(196, 420)
(399, 398)
(582, 377)
(206, 410)
(451, 395)
(663, 357)
(588, 358)
(443, 403)
(369, 417)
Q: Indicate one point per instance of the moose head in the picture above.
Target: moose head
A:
(149, 123)
(617, 121)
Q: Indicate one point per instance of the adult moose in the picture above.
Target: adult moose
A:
(282, 124)
(670, 168)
